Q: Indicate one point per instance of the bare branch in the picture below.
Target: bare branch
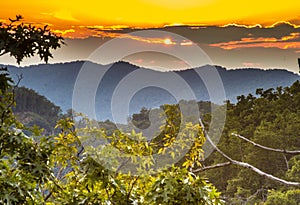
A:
(254, 195)
(294, 152)
(48, 196)
(3, 53)
(246, 165)
(286, 161)
(12, 100)
(202, 169)
(131, 187)
(80, 151)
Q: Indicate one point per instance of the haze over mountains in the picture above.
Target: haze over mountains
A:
(56, 82)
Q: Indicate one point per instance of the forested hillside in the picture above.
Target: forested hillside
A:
(34, 109)
(270, 118)
(56, 82)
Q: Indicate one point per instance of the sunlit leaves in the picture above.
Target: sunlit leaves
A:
(173, 185)
(24, 162)
(178, 186)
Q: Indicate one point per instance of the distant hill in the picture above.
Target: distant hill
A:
(34, 109)
(56, 82)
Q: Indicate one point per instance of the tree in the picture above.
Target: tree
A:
(32, 108)
(58, 170)
(261, 134)
(21, 41)
(23, 162)
(82, 180)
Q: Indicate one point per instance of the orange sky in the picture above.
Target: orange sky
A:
(66, 15)
(228, 27)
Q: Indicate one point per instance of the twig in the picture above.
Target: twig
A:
(48, 196)
(202, 169)
(20, 77)
(286, 161)
(131, 187)
(254, 195)
(80, 151)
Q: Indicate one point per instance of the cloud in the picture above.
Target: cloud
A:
(64, 32)
(139, 60)
(232, 45)
(107, 28)
(251, 65)
(200, 34)
(295, 25)
(291, 41)
(116, 31)
(64, 14)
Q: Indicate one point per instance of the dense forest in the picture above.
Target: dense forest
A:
(57, 81)
(34, 109)
(271, 118)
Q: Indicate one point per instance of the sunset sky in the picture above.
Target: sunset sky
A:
(233, 33)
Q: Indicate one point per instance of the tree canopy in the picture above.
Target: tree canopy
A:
(262, 130)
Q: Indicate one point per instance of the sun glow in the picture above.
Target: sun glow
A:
(140, 13)
(168, 41)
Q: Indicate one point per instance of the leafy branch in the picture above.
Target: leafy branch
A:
(24, 41)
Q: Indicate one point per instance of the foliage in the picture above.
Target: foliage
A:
(59, 170)
(86, 181)
(290, 197)
(23, 41)
(271, 119)
(190, 189)
(23, 162)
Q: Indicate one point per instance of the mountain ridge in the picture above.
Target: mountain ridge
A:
(56, 82)
(147, 68)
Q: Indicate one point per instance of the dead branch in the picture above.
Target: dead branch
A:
(293, 152)
(202, 169)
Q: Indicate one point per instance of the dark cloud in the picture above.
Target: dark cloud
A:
(215, 34)
(231, 46)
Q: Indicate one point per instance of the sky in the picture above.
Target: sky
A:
(233, 34)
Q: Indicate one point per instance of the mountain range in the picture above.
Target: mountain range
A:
(57, 81)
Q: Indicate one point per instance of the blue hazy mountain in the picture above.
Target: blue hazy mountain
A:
(56, 82)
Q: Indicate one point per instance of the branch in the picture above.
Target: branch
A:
(202, 169)
(12, 100)
(132, 185)
(294, 152)
(3, 53)
(246, 165)
(80, 151)
(286, 162)
(254, 195)
(48, 196)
